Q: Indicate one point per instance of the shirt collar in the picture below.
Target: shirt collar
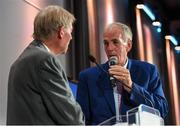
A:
(46, 47)
(125, 65)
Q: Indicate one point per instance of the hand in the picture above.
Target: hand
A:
(123, 75)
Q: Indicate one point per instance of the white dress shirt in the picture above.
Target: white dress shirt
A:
(117, 97)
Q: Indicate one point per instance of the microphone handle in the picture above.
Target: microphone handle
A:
(112, 80)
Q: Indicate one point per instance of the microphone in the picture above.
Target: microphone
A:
(112, 61)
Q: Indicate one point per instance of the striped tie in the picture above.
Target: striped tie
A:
(119, 90)
(119, 87)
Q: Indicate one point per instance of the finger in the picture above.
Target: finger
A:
(119, 73)
(117, 67)
(124, 70)
(120, 78)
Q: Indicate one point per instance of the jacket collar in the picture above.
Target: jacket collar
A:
(39, 44)
(105, 87)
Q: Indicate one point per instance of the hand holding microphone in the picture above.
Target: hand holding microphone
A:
(113, 61)
(118, 76)
(120, 73)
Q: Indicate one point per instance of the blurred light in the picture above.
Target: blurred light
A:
(146, 10)
(173, 82)
(140, 39)
(177, 48)
(156, 23)
(172, 38)
(92, 30)
(109, 11)
(140, 6)
(158, 30)
(149, 13)
(148, 46)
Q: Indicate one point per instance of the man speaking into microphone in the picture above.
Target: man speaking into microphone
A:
(112, 89)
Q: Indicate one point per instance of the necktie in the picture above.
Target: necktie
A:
(119, 87)
(119, 90)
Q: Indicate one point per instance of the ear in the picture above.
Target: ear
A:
(129, 46)
(60, 32)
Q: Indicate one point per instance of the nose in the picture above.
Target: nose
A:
(110, 46)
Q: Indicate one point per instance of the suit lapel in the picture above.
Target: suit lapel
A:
(106, 89)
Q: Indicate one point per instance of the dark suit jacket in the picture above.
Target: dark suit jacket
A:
(95, 93)
(38, 91)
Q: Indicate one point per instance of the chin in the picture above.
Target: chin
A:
(61, 52)
(64, 52)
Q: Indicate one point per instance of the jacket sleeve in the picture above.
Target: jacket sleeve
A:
(56, 93)
(152, 95)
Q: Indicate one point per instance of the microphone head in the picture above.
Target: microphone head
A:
(113, 60)
(92, 59)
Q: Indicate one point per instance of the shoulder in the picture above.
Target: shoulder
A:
(93, 71)
(39, 55)
(36, 49)
(143, 65)
(50, 61)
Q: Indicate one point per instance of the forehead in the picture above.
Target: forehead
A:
(113, 33)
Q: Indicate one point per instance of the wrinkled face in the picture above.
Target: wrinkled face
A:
(66, 36)
(115, 45)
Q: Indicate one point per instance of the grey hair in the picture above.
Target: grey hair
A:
(49, 19)
(126, 30)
